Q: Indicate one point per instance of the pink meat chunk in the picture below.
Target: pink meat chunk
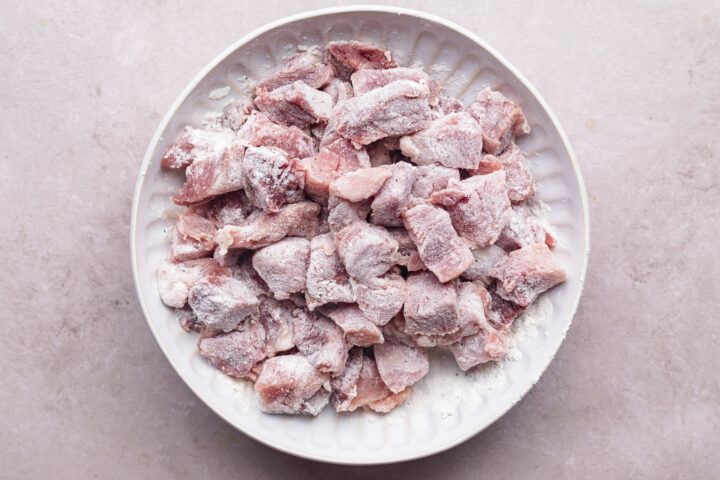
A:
(230, 209)
(235, 353)
(235, 114)
(259, 131)
(526, 273)
(499, 118)
(431, 178)
(271, 178)
(517, 173)
(286, 382)
(523, 229)
(284, 266)
(194, 237)
(327, 280)
(359, 331)
(194, 143)
(370, 387)
(244, 271)
(454, 141)
(360, 184)
(415, 263)
(448, 105)
(296, 104)
(380, 298)
(302, 66)
(440, 248)
(339, 90)
(315, 404)
(502, 312)
(212, 175)
(398, 108)
(400, 365)
(394, 331)
(261, 229)
(187, 319)
(388, 403)
(347, 57)
(486, 163)
(485, 259)
(344, 386)
(222, 303)
(329, 135)
(175, 280)
(430, 306)
(481, 347)
(406, 247)
(394, 194)
(364, 81)
(277, 319)
(479, 207)
(320, 340)
(367, 251)
(343, 213)
(333, 161)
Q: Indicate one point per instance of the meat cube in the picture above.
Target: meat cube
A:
(485, 259)
(286, 382)
(175, 280)
(526, 273)
(259, 131)
(295, 104)
(430, 306)
(315, 404)
(222, 303)
(339, 90)
(454, 141)
(398, 108)
(502, 312)
(364, 81)
(481, 347)
(284, 266)
(235, 114)
(499, 118)
(230, 209)
(302, 66)
(393, 196)
(440, 249)
(320, 340)
(271, 178)
(431, 178)
(195, 143)
(380, 298)
(448, 105)
(194, 237)
(523, 229)
(406, 247)
(327, 280)
(244, 271)
(379, 154)
(486, 163)
(212, 175)
(370, 387)
(333, 161)
(235, 353)
(388, 403)
(277, 319)
(360, 184)
(358, 329)
(187, 319)
(346, 57)
(400, 365)
(366, 251)
(343, 213)
(479, 207)
(261, 229)
(344, 386)
(517, 173)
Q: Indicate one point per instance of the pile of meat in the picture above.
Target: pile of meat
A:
(346, 220)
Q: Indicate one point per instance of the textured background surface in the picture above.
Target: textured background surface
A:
(86, 392)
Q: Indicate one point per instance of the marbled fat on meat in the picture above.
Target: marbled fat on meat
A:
(176, 279)
(277, 319)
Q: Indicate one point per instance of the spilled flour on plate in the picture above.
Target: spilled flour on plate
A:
(219, 93)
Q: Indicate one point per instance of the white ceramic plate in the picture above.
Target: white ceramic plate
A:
(447, 407)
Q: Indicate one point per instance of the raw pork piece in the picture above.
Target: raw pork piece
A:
(502, 312)
(454, 141)
(265, 228)
(440, 249)
(359, 331)
(195, 143)
(481, 347)
(302, 66)
(398, 108)
(271, 178)
(430, 306)
(415, 263)
(235, 114)
(330, 135)
(379, 154)
(380, 298)
(284, 266)
(296, 105)
(448, 105)
(235, 353)
(194, 237)
(175, 280)
(320, 340)
(360, 184)
(400, 365)
(517, 174)
(344, 386)
(479, 206)
(277, 319)
(286, 382)
(394, 332)
(333, 161)
(327, 280)
(343, 213)
(406, 247)
(244, 271)
(222, 303)
(431, 178)
(347, 57)
(370, 387)
(230, 209)
(486, 163)
(523, 229)
(526, 273)
(259, 131)
(367, 251)
(339, 90)
(393, 196)
(499, 118)
(212, 175)
(187, 319)
(315, 404)
(485, 259)
(365, 80)
(388, 403)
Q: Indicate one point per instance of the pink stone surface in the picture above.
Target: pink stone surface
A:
(634, 390)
